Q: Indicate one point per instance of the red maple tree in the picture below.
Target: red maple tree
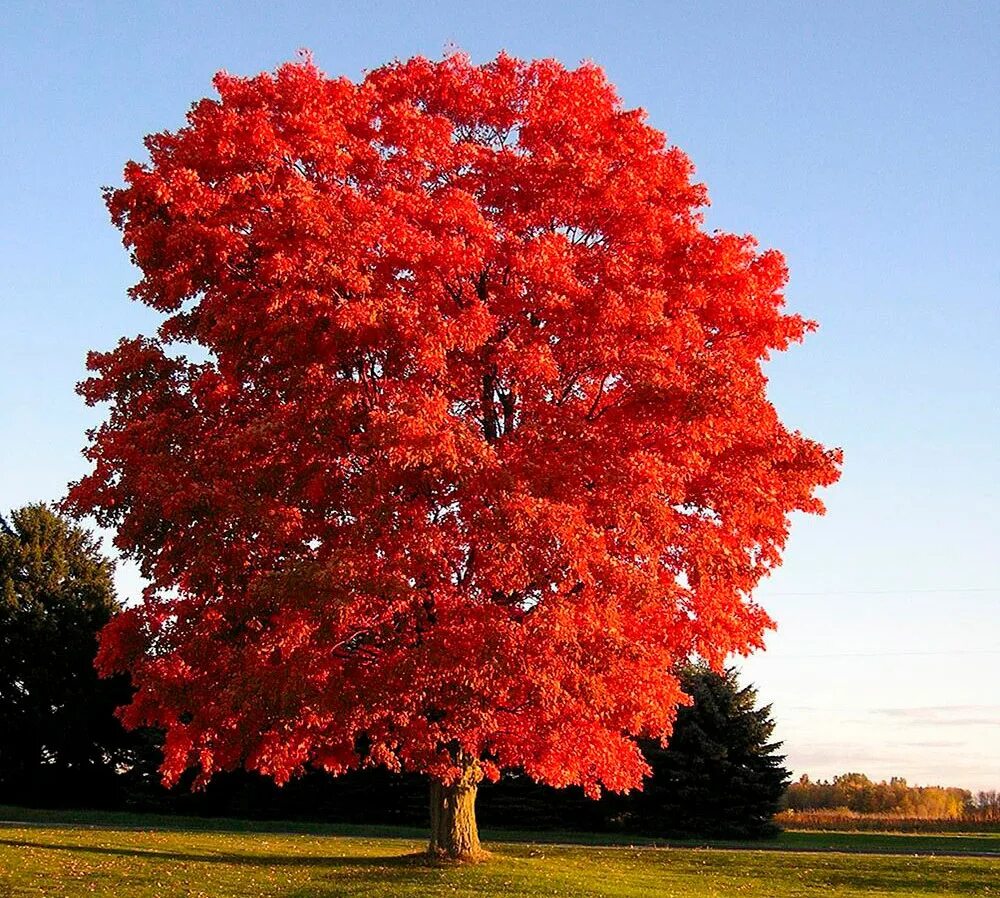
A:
(471, 447)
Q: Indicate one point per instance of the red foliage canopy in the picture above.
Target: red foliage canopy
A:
(473, 446)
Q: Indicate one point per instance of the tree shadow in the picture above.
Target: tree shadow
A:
(414, 860)
(357, 876)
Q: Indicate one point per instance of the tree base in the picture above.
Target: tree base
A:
(439, 858)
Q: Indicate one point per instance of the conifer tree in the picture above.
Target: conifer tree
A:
(58, 733)
(720, 774)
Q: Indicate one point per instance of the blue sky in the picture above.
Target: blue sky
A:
(861, 139)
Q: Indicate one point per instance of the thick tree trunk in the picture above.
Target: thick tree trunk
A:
(454, 834)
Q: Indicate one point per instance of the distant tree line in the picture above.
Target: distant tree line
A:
(852, 800)
(856, 792)
(985, 806)
(721, 775)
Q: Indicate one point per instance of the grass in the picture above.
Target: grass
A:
(137, 857)
(892, 843)
(798, 840)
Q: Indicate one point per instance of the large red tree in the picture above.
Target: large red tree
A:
(470, 446)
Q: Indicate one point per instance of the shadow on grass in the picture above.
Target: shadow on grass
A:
(412, 860)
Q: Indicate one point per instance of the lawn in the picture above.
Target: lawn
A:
(129, 861)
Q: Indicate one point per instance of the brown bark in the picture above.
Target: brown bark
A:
(454, 833)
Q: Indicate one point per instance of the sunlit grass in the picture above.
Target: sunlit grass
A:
(53, 860)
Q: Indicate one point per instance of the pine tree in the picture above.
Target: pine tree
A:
(60, 740)
(719, 775)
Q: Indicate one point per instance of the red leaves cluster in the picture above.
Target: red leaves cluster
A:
(471, 445)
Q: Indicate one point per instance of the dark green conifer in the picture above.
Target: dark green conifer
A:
(59, 740)
(720, 775)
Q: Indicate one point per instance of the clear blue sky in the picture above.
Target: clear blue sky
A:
(859, 138)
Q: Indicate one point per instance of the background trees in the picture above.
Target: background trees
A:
(985, 805)
(59, 740)
(857, 793)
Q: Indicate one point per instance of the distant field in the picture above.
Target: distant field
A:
(882, 823)
(136, 857)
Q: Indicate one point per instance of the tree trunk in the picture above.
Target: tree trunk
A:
(454, 834)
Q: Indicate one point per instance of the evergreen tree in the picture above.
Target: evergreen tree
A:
(719, 775)
(59, 739)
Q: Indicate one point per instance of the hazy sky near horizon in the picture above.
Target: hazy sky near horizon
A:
(860, 139)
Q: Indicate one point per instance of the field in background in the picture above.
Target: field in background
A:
(138, 857)
(842, 821)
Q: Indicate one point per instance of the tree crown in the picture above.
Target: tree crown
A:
(453, 439)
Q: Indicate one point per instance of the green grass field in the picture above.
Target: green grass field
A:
(143, 857)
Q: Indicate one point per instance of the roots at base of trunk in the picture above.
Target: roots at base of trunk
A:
(454, 833)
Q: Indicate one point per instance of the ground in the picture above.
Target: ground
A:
(143, 857)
